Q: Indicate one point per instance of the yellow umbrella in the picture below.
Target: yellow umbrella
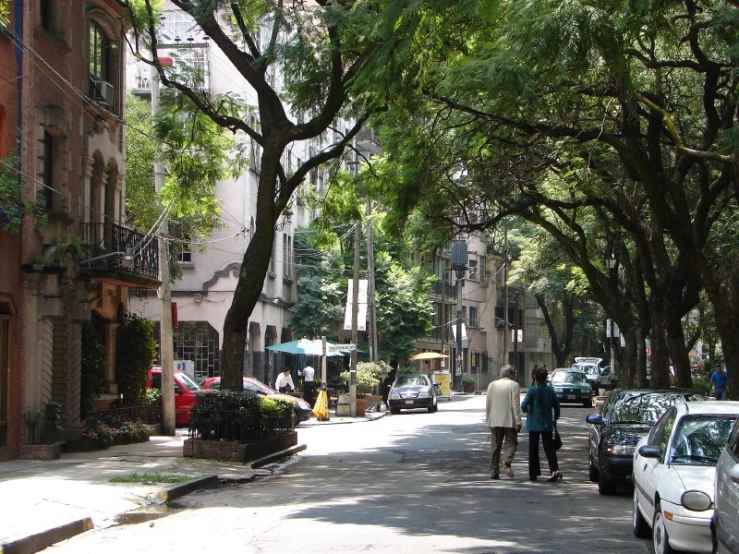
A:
(429, 356)
(320, 410)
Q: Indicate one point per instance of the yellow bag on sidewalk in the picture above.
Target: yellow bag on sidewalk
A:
(320, 410)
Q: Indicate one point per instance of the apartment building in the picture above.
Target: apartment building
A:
(61, 122)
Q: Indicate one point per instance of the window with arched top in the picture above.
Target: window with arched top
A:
(103, 60)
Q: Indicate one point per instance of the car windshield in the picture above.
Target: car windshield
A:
(411, 380)
(568, 377)
(188, 383)
(643, 407)
(700, 439)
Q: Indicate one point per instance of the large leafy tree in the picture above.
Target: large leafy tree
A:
(631, 105)
(319, 48)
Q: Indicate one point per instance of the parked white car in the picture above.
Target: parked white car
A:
(591, 368)
(674, 470)
(725, 522)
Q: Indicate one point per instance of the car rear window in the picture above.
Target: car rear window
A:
(405, 380)
(188, 383)
(645, 407)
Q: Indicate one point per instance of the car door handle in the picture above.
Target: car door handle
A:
(645, 467)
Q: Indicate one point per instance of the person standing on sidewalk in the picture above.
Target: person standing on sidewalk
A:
(542, 412)
(503, 414)
(719, 379)
(309, 386)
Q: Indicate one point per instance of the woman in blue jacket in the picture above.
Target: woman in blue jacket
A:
(542, 411)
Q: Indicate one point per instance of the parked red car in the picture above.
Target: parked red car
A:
(303, 410)
(184, 393)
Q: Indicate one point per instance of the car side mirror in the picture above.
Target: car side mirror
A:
(734, 474)
(594, 419)
(650, 451)
(177, 390)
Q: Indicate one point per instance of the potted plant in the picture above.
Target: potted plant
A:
(367, 382)
(468, 385)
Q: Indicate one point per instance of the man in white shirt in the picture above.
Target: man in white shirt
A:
(284, 380)
(309, 385)
(503, 415)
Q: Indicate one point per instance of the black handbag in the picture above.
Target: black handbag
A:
(557, 438)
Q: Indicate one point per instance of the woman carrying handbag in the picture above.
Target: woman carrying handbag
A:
(542, 412)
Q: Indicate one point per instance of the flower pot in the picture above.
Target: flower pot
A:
(361, 406)
(469, 389)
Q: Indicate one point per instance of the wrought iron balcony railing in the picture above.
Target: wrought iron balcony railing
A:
(108, 243)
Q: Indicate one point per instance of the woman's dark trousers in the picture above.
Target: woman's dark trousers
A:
(549, 450)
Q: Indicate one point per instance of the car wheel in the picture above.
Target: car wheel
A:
(641, 527)
(605, 485)
(296, 418)
(660, 540)
(432, 409)
(593, 472)
(394, 410)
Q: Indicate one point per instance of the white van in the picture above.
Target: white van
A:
(591, 368)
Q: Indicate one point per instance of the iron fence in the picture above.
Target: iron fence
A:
(115, 416)
(241, 426)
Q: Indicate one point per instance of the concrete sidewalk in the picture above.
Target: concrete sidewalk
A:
(49, 501)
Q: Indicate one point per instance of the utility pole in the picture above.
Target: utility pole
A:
(460, 257)
(355, 321)
(372, 328)
(165, 292)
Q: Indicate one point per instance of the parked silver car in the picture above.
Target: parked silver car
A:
(725, 520)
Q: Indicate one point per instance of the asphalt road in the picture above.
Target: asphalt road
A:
(414, 482)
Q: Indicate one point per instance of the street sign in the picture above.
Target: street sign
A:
(340, 347)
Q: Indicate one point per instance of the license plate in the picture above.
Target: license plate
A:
(571, 396)
(409, 401)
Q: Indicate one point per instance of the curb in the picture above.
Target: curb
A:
(181, 489)
(44, 539)
(256, 464)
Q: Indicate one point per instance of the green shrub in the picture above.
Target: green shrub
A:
(367, 378)
(239, 415)
(135, 352)
(702, 385)
(468, 381)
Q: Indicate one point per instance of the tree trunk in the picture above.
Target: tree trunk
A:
(659, 373)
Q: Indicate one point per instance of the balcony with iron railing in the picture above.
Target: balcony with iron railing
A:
(120, 252)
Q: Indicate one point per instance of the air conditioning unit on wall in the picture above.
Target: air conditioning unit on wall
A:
(103, 92)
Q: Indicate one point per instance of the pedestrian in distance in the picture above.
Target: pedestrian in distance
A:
(503, 414)
(533, 374)
(309, 385)
(387, 382)
(284, 380)
(719, 379)
(542, 412)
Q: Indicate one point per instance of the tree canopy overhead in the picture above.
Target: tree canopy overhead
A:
(612, 125)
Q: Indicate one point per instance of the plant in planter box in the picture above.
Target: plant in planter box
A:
(367, 379)
(468, 384)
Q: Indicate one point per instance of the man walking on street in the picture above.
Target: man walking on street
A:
(503, 414)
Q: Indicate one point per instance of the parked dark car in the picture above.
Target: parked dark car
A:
(571, 386)
(413, 390)
(626, 416)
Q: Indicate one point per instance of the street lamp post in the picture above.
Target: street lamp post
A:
(460, 258)
(612, 270)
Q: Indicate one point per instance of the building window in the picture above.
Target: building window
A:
(46, 15)
(483, 270)
(472, 270)
(99, 54)
(272, 261)
(48, 170)
(473, 317)
(287, 253)
(185, 255)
